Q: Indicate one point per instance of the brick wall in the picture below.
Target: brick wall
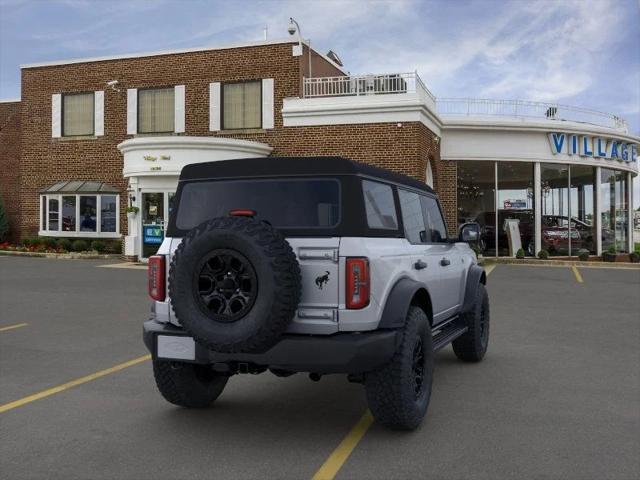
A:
(10, 163)
(45, 160)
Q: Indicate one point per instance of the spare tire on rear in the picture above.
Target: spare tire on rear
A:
(234, 284)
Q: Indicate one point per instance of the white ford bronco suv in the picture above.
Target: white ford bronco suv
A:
(320, 265)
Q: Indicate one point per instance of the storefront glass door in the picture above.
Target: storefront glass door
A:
(153, 222)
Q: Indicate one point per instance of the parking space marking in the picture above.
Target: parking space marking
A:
(130, 265)
(11, 327)
(73, 383)
(577, 274)
(334, 463)
(340, 455)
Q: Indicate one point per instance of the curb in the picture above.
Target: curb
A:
(64, 256)
(559, 263)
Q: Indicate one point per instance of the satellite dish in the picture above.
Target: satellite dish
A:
(334, 57)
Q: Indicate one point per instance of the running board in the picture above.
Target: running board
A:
(447, 334)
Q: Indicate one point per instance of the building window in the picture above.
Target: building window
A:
(108, 213)
(156, 110)
(614, 210)
(242, 105)
(78, 114)
(69, 213)
(80, 215)
(88, 213)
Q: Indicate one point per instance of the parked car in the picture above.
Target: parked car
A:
(318, 265)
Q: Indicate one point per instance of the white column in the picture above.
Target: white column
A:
(56, 116)
(598, 213)
(132, 111)
(537, 207)
(179, 102)
(214, 107)
(630, 212)
(98, 113)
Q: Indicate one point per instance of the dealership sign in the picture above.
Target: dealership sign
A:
(588, 146)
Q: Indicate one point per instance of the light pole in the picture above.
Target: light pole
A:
(293, 28)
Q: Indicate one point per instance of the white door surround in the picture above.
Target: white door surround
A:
(154, 163)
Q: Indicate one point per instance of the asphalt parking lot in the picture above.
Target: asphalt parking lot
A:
(558, 395)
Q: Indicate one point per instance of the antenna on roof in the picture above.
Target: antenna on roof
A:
(266, 32)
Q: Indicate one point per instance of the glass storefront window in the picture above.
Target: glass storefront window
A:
(69, 213)
(88, 212)
(476, 200)
(608, 208)
(554, 218)
(582, 207)
(622, 212)
(108, 219)
(515, 205)
(53, 213)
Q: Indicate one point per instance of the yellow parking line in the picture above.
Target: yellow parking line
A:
(332, 465)
(577, 274)
(11, 327)
(336, 460)
(73, 383)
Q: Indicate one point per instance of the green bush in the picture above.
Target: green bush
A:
(634, 257)
(79, 245)
(113, 246)
(65, 244)
(4, 223)
(583, 254)
(26, 242)
(48, 242)
(520, 253)
(543, 254)
(98, 246)
(612, 249)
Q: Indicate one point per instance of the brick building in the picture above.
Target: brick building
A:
(91, 137)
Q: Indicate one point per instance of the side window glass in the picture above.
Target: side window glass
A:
(379, 204)
(436, 230)
(412, 217)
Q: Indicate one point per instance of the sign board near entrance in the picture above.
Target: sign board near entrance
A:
(152, 234)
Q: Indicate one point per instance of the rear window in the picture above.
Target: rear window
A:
(285, 203)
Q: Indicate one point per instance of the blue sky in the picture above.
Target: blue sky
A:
(578, 52)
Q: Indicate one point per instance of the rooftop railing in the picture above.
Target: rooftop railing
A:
(357, 85)
(474, 107)
(398, 83)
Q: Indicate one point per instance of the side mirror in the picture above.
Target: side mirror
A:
(469, 232)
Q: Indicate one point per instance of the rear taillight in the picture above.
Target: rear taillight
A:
(358, 286)
(156, 277)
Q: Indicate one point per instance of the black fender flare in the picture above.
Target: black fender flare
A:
(475, 277)
(398, 302)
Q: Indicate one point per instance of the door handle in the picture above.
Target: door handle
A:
(444, 262)
(419, 265)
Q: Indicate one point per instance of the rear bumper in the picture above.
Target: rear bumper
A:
(338, 353)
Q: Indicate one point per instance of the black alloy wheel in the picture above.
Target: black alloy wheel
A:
(418, 367)
(226, 285)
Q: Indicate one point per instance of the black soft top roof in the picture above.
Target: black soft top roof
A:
(292, 166)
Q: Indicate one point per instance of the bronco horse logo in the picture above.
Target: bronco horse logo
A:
(322, 280)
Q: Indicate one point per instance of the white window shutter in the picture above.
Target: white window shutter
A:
(98, 112)
(214, 107)
(179, 99)
(56, 115)
(267, 103)
(132, 111)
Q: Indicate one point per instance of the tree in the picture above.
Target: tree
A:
(4, 222)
